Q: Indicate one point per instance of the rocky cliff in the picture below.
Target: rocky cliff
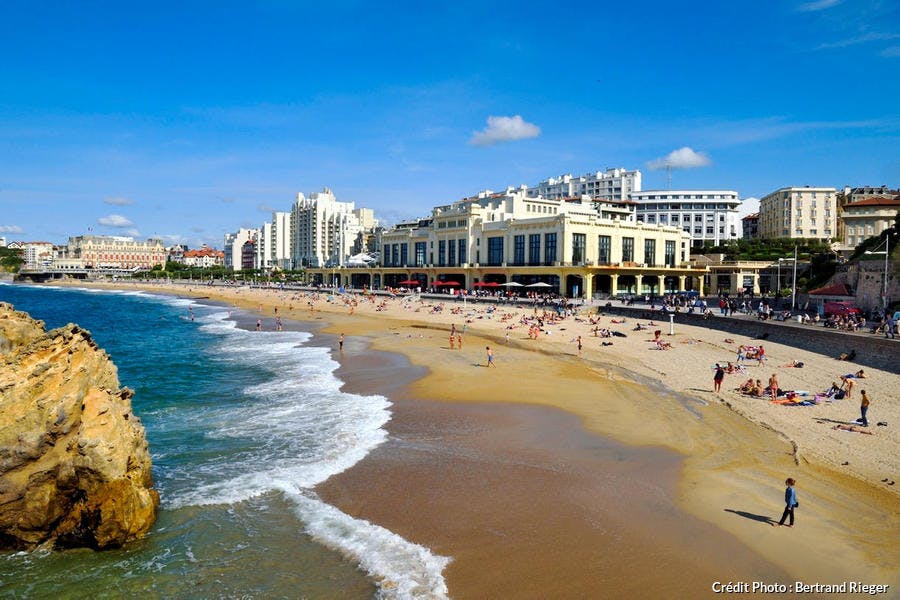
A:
(74, 462)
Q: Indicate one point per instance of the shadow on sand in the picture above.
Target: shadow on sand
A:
(751, 516)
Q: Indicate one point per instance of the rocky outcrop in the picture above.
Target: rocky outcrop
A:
(74, 462)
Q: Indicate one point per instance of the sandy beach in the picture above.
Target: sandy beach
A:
(559, 475)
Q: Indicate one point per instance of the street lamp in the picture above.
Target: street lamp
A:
(887, 254)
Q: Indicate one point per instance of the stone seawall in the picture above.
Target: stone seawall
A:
(872, 350)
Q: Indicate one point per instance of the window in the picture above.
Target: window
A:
(604, 242)
(461, 251)
(650, 253)
(579, 243)
(534, 249)
(670, 253)
(495, 250)
(395, 254)
(627, 249)
(420, 254)
(550, 247)
(442, 253)
(674, 218)
(387, 255)
(451, 253)
(698, 218)
(404, 254)
(709, 230)
(519, 250)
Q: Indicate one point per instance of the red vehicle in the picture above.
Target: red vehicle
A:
(840, 309)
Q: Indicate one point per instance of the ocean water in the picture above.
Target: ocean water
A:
(242, 425)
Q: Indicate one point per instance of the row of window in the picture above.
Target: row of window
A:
(688, 197)
(655, 207)
(680, 218)
(525, 251)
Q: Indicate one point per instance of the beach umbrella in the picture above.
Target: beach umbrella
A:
(491, 284)
(540, 284)
(447, 283)
(409, 282)
(512, 284)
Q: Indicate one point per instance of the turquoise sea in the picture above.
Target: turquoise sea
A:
(242, 425)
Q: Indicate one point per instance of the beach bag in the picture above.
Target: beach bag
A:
(838, 395)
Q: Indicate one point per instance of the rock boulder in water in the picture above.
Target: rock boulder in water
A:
(74, 461)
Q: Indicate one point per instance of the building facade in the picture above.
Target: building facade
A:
(234, 247)
(750, 226)
(799, 212)
(325, 231)
(523, 239)
(204, 258)
(36, 255)
(612, 184)
(115, 252)
(868, 218)
(708, 216)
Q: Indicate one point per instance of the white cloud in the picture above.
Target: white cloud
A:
(10, 229)
(891, 52)
(118, 201)
(262, 207)
(504, 129)
(133, 232)
(115, 221)
(817, 5)
(683, 158)
(871, 36)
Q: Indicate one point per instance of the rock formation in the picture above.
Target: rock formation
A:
(74, 462)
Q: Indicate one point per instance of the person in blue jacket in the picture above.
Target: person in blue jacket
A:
(790, 502)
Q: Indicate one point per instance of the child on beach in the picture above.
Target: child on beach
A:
(490, 357)
(717, 378)
(790, 501)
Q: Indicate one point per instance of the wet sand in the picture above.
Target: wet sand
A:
(528, 503)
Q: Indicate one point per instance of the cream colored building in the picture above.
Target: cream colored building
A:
(799, 212)
(868, 218)
(509, 237)
(115, 252)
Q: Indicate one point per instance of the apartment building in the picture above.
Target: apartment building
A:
(325, 232)
(867, 218)
(612, 184)
(234, 247)
(708, 216)
(799, 212)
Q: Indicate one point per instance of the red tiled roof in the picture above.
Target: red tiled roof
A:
(879, 201)
(836, 289)
(753, 216)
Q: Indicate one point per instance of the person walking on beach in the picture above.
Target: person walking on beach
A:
(760, 356)
(790, 502)
(259, 324)
(718, 378)
(579, 345)
(341, 343)
(458, 341)
(490, 357)
(863, 409)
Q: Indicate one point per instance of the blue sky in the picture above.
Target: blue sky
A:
(190, 119)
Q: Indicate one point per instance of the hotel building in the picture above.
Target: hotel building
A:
(273, 244)
(115, 252)
(708, 216)
(511, 237)
(799, 212)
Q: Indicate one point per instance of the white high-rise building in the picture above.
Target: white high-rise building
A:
(707, 215)
(324, 230)
(273, 244)
(234, 244)
(613, 184)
